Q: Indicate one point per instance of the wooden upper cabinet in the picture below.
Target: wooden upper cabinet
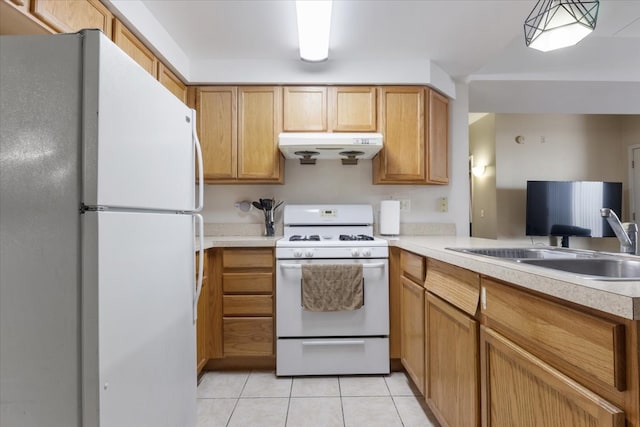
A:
(71, 16)
(259, 123)
(438, 138)
(216, 108)
(330, 109)
(238, 129)
(352, 109)
(402, 160)
(133, 47)
(305, 109)
(172, 82)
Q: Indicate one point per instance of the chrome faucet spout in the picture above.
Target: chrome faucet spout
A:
(627, 233)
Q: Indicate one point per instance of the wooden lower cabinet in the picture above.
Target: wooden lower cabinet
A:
(520, 389)
(203, 324)
(242, 289)
(451, 359)
(412, 331)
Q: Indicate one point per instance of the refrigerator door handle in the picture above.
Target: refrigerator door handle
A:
(196, 142)
(198, 288)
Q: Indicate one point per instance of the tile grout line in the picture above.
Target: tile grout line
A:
(392, 399)
(237, 400)
(286, 418)
(344, 421)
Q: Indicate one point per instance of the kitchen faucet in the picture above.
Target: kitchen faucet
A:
(627, 233)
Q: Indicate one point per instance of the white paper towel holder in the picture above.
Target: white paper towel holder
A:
(390, 217)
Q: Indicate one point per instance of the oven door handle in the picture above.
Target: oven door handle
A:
(299, 266)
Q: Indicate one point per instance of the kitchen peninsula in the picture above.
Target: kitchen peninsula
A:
(494, 325)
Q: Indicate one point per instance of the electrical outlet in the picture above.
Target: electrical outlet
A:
(444, 204)
(405, 205)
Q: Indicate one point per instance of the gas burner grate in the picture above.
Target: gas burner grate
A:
(355, 237)
(297, 237)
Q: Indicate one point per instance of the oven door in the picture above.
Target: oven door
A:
(372, 319)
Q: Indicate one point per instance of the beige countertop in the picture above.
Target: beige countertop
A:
(621, 298)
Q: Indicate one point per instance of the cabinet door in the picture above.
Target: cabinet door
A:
(412, 330)
(352, 108)
(305, 109)
(401, 118)
(72, 16)
(216, 107)
(203, 327)
(451, 364)
(438, 138)
(172, 82)
(520, 389)
(133, 47)
(259, 123)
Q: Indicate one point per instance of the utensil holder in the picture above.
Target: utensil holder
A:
(269, 228)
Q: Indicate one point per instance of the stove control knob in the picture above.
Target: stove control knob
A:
(355, 252)
(308, 253)
(297, 253)
(366, 252)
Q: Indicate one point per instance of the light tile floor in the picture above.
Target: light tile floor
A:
(260, 399)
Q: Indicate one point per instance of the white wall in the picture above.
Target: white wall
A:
(331, 182)
(575, 147)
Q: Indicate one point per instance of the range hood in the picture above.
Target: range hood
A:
(349, 147)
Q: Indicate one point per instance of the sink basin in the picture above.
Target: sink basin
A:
(525, 253)
(599, 268)
(587, 264)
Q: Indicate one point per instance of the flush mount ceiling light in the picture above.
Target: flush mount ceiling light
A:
(314, 23)
(553, 24)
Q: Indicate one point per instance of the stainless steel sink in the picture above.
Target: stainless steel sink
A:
(600, 268)
(586, 264)
(525, 253)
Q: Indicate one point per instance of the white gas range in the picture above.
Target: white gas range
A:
(331, 342)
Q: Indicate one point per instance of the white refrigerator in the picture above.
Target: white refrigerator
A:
(98, 207)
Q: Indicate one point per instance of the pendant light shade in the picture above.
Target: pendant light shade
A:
(314, 23)
(553, 24)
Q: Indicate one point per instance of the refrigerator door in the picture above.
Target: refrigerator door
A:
(138, 334)
(137, 136)
(39, 231)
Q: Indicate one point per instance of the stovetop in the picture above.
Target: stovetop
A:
(342, 237)
(329, 231)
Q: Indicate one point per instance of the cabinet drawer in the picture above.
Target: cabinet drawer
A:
(246, 336)
(247, 305)
(247, 283)
(563, 336)
(456, 285)
(412, 266)
(247, 258)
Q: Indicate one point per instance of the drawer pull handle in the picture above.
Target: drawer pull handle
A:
(342, 342)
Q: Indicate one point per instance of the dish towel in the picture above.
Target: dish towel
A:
(332, 287)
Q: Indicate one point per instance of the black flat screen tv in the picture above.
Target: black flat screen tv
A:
(571, 208)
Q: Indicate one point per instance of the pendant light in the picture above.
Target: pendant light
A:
(314, 23)
(553, 24)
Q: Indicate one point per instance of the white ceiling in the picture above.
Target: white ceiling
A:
(469, 39)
